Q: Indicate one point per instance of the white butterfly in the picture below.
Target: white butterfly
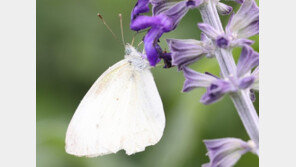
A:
(122, 110)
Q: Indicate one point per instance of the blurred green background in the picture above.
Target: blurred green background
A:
(74, 48)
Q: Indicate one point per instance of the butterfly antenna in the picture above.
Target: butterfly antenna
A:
(140, 43)
(104, 22)
(133, 40)
(121, 28)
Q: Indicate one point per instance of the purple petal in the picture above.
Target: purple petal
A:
(142, 6)
(143, 22)
(248, 60)
(227, 151)
(208, 30)
(195, 79)
(241, 42)
(161, 6)
(187, 51)
(152, 49)
(245, 23)
(208, 45)
(176, 13)
(246, 82)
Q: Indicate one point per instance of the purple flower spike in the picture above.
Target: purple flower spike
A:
(245, 23)
(227, 151)
(196, 80)
(248, 60)
(187, 51)
(216, 90)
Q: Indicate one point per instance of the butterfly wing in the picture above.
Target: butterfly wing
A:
(122, 110)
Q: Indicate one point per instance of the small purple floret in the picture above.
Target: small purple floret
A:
(215, 91)
(226, 152)
(222, 42)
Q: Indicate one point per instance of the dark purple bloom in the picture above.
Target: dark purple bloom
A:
(166, 16)
(153, 50)
(226, 152)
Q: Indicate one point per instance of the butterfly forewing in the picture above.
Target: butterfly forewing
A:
(122, 110)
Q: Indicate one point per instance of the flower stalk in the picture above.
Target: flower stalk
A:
(228, 68)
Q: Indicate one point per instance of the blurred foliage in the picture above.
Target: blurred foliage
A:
(74, 48)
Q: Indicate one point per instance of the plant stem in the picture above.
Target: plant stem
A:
(228, 68)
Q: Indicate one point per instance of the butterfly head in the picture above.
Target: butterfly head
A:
(129, 49)
(136, 58)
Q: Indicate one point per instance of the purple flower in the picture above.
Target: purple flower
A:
(227, 151)
(245, 23)
(187, 51)
(248, 60)
(196, 80)
(215, 86)
(166, 16)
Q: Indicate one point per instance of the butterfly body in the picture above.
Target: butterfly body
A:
(122, 110)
